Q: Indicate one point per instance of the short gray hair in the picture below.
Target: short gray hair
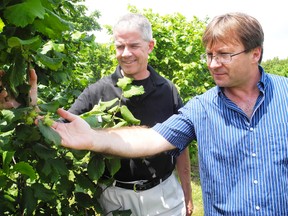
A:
(135, 21)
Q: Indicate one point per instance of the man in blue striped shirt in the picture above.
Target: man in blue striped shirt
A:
(241, 126)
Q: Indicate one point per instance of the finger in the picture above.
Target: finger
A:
(3, 94)
(13, 103)
(33, 89)
(6, 105)
(66, 115)
(1, 73)
(33, 77)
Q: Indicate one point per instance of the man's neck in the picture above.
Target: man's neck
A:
(137, 76)
(244, 99)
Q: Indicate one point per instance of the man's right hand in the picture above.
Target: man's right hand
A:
(76, 134)
(8, 102)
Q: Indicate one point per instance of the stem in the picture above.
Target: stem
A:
(20, 187)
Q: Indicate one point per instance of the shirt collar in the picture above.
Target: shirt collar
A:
(155, 77)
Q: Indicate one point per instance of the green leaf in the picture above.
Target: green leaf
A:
(77, 35)
(7, 158)
(3, 181)
(120, 124)
(27, 133)
(29, 200)
(46, 168)
(50, 107)
(65, 186)
(107, 118)
(83, 200)
(50, 135)
(12, 117)
(7, 203)
(104, 105)
(84, 182)
(5, 123)
(79, 154)
(52, 63)
(16, 73)
(96, 167)
(52, 26)
(8, 115)
(113, 110)
(93, 121)
(50, 45)
(128, 116)
(59, 166)
(5, 137)
(113, 165)
(26, 169)
(1, 25)
(42, 193)
(24, 13)
(99, 109)
(132, 90)
(43, 151)
(33, 43)
(123, 82)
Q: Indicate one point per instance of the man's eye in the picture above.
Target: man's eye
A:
(224, 54)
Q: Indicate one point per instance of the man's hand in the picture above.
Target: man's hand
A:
(189, 208)
(76, 134)
(8, 102)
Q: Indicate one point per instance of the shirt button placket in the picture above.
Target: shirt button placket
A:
(255, 181)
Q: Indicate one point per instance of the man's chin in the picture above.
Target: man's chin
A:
(128, 72)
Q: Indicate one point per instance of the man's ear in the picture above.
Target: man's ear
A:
(256, 54)
(151, 46)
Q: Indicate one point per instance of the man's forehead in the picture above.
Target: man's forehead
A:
(222, 44)
(128, 42)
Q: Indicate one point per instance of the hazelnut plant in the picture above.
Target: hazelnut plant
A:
(37, 174)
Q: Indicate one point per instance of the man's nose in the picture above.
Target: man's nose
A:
(126, 52)
(214, 62)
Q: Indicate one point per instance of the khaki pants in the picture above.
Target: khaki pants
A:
(165, 199)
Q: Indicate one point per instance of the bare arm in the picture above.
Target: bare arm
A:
(183, 167)
(126, 142)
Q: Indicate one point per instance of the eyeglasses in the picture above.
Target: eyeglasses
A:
(223, 58)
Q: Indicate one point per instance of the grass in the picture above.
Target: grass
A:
(196, 187)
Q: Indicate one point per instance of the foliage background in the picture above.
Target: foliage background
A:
(54, 37)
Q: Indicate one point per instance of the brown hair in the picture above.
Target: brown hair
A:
(240, 27)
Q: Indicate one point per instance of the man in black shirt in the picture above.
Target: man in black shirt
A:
(147, 186)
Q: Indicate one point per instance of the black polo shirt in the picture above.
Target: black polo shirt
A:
(159, 102)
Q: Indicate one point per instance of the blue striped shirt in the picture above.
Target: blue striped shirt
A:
(243, 162)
